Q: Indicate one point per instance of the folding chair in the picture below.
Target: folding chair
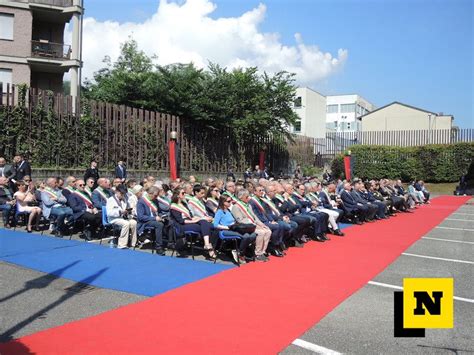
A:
(50, 221)
(223, 239)
(20, 218)
(108, 227)
(188, 235)
(147, 231)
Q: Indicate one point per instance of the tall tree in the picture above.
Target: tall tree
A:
(250, 103)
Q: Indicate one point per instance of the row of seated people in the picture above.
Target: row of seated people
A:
(268, 215)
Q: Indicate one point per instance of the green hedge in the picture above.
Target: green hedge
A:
(431, 163)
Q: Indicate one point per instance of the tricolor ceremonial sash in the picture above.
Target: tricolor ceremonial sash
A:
(280, 198)
(84, 197)
(292, 200)
(245, 210)
(313, 197)
(88, 190)
(298, 196)
(50, 192)
(101, 193)
(227, 193)
(188, 197)
(258, 203)
(163, 201)
(151, 205)
(272, 206)
(71, 189)
(183, 210)
(213, 201)
(196, 203)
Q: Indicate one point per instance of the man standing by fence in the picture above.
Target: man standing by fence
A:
(92, 172)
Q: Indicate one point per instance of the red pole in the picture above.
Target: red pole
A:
(172, 156)
(347, 166)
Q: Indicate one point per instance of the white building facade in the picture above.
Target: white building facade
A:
(310, 106)
(342, 112)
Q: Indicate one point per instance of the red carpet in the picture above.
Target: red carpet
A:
(259, 308)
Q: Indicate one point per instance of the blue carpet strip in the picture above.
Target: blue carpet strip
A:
(122, 270)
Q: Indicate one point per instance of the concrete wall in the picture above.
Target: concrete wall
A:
(22, 27)
(398, 117)
(315, 122)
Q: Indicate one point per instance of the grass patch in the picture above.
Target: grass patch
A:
(441, 189)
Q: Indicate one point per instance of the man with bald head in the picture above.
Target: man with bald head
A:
(101, 193)
(54, 204)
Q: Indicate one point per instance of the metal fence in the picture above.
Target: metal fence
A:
(110, 133)
(337, 142)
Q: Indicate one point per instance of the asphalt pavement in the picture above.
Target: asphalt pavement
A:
(31, 301)
(363, 323)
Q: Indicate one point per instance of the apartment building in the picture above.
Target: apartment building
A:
(342, 112)
(310, 106)
(32, 48)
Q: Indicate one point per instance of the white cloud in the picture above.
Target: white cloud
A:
(186, 33)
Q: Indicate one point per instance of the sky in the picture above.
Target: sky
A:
(419, 52)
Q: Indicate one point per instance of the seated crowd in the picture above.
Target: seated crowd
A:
(266, 216)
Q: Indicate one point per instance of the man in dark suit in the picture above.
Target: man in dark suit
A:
(92, 172)
(351, 206)
(292, 211)
(101, 193)
(121, 171)
(371, 209)
(84, 210)
(257, 205)
(366, 194)
(319, 221)
(5, 169)
(21, 168)
(148, 216)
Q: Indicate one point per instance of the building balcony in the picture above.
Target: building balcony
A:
(50, 50)
(56, 3)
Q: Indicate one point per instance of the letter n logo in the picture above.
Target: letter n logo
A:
(428, 303)
(431, 303)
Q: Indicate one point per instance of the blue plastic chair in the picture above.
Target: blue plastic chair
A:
(107, 227)
(147, 230)
(190, 235)
(223, 238)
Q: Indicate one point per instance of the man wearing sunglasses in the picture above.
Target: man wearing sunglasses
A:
(83, 210)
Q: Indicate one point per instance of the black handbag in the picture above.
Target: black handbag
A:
(243, 228)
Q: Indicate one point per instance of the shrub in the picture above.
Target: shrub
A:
(431, 163)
